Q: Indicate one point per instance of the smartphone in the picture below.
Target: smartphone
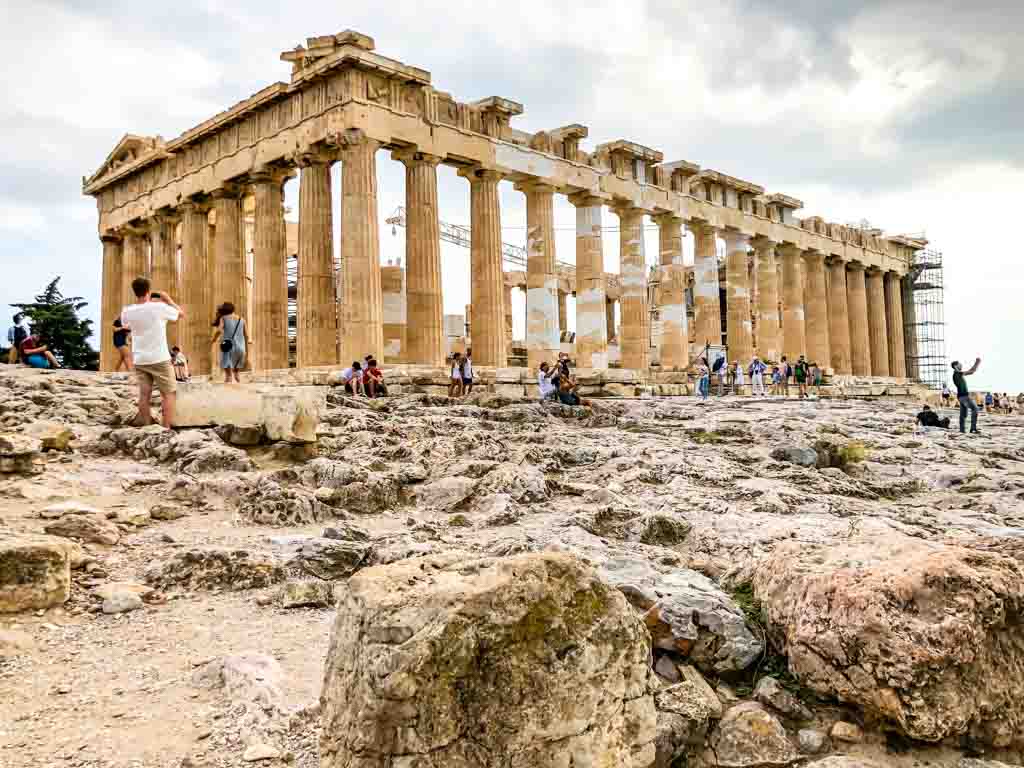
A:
(155, 295)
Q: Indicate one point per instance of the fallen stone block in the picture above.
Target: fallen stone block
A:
(35, 572)
(289, 414)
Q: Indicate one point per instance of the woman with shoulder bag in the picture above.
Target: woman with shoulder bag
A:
(234, 335)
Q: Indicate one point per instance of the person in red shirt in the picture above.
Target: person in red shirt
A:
(373, 380)
(35, 354)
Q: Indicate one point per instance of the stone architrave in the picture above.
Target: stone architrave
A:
(634, 342)
(876, 323)
(817, 322)
(593, 328)
(424, 295)
(134, 261)
(542, 309)
(738, 325)
(317, 313)
(487, 286)
(227, 265)
(164, 252)
(793, 339)
(838, 318)
(111, 300)
(706, 299)
(894, 324)
(362, 305)
(194, 331)
(675, 335)
(768, 343)
(270, 279)
(857, 306)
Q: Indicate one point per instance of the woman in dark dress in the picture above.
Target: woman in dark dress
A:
(124, 352)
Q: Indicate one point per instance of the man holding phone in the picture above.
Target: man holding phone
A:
(148, 318)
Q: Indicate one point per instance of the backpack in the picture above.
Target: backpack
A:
(20, 334)
(718, 365)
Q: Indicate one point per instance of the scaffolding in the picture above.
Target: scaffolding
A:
(924, 320)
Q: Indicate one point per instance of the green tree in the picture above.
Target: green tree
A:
(54, 318)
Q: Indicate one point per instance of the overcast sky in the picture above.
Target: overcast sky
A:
(907, 114)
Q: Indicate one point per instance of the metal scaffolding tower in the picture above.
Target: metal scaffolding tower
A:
(924, 320)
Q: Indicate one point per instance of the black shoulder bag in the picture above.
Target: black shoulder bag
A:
(228, 344)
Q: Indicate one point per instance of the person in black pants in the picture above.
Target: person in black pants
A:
(963, 395)
(124, 352)
(929, 418)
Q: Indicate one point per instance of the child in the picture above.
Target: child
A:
(180, 363)
(455, 376)
(373, 380)
(776, 380)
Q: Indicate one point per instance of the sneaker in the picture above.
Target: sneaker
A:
(975, 432)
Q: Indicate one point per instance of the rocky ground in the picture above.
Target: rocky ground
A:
(814, 582)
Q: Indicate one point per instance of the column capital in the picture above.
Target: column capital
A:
(111, 237)
(856, 266)
(586, 199)
(477, 173)
(626, 208)
(413, 156)
(351, 140)
(702, 226)
(790, 249)
(314, 154)
(534, 185)
(229, 191)
(133, 230)
(667, 218)
(735, 239)
(193, 205)
(831, 259)
(762, 243)
(164, 216)
(269, 174)
(813, 253)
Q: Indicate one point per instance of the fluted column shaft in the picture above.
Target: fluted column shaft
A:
(910, 328)
(738, 327)
(857, 306)
(706, 300)
(228, 262)
(164, 256)
(135, 262)
(542, 309)
(563, 312)
(111, 299)
(317, 321)
(270, 277)
(675, 336)
(768, 343)
(194, 332)
(363, 302)
(877, 325)
(838, 319)
(817, 322)
(592, 326)
(487, 285)
(633, 344)
(793, 328)
(609, 310)
(894, 324)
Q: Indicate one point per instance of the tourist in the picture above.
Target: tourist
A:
(35, 354)
(928, 418)
(703, 379)
(567, 392)
(815, 377)
(373, 380)
(467, 373)
(776, 380)
(455, 376)
(988, 402)
(737, 377)
(800, 373)
(124, 352)
(963, 395)
(16, 335)
(947, 396)
(234, 335)
(722, 369)
(352, 377)
(563, 365)
(547, 388)
(180, 363)
(148, 318)
(757, 369)
(785, 372)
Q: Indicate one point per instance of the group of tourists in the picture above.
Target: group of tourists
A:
(460, 374)
(27, 347)
(734, 376)
(364, 378)
(967, 402)
(556, 382)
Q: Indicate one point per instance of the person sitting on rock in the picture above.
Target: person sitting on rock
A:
(180, 363)
(35, 354)
(373, 380)
(928, 418)
(455, 376)
(567, 394)
(545, 383)
(353, 378)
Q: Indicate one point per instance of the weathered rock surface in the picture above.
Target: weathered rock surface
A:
(683, 716)
(330, 559)
(216, 568)
(750, 737)
(450, 661)
(770, 692)
(307, 594)
(35, 572)
(270, 503)
(52, 435)
(19, 454)
(90, 528)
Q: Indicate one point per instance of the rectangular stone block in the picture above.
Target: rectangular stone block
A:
(290, 414)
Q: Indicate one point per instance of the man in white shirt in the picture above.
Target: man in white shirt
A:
(547, 387)
(353, 379)
(148, 318)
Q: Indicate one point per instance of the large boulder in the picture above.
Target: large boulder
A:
(446, 661)
(19, 454)
(216, 568)
(35, 572)
(927, 636)
(330, 559)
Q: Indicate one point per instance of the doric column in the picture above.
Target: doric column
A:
(592, 326)
(563, 312)
(910, 327)
(675, 336)
(508, 315)
(487, 285)
(633, 342)
(424, 296)
(194, 332)
(793, 340)
(270, 277)
(110, 300)
(164, 255)
(857, 306)
(228, 262)
(134, 260)
(609, 310)
(876, 324)
(317, 309)
(817, 323)
(706, 301)
(737, 302)
(838, 319)
(542, 310)
(768, 343)
(894, 324)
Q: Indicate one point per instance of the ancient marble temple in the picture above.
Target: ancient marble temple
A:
(188, 212)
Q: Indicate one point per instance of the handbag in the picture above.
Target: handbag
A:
(228, 344)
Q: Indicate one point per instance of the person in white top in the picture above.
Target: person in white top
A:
(467, 373)
(757, 376)
(455, 376)
(148, 318)
(737, 378)
(353, 378)
(544, 383)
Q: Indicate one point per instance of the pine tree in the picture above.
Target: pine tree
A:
(54, 318)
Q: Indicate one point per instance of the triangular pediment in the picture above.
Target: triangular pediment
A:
(129, 150)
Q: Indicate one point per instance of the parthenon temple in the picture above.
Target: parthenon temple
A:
(188, 212)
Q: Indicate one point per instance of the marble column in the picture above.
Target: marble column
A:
(542, 309)
(134, 261)
(894, 323)
(194, 332)
(793, 339)
(876, 324)
(228, 261)
(164, 259)
(593, 328)
(362, 304)
(487, 286)
(706, 300)
(609, 309)
(508, 316)
(110, 300)
(270, 277)
(857, 306)
(910, 328)
(817, 322)
(563, 313)
(739, 329)
(633, 343)
(316, 300)
(424, 295)
(675, 335)
(768, 342)
(838, 319)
